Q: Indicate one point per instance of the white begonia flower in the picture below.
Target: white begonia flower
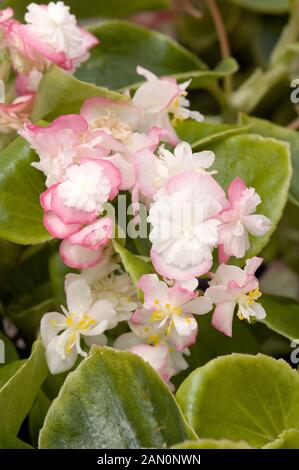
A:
(109, 282)
(61, 333)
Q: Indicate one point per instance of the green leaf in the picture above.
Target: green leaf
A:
(57, 271)
(37, 416)
(60, 93)
(264, 6)
(134, 265)
(113, 400)
(211, 343)
(21, 216)
(202, 134)
(282, 315)
(241, 397)
(94, 8)
(124, 45)
(262, 163)
(211, 444)
(6, 372)
(268, 129)
(10, 352)
(17, 395)
(288, 439)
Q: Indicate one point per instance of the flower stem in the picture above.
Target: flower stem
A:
(222, 38)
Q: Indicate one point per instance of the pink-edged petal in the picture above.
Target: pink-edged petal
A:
(206, 185)
(146, 172)
(112, 173)
(222, 318)
(198, 306)
(236, 189)
(156, 95)
(155, 135)
(95, 108)
(69, 215)
(172, 271)
(183, 342)
(74, 122)
(256, 224)
(6, 15)
(154, 290)
(94, 235)
(156, 356)
(184, 325)
(190, 285)
(46, 198)
(218, 294)
(141, 316)
(22, 38)
(162, 120)
(57, 228)
(126, 341)
(79, 257)
(179, 296)
(222, 255)
(226, 273)
(126, 168)
(252, 265)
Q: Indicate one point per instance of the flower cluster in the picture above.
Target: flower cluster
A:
(50, 35)
(131, 145)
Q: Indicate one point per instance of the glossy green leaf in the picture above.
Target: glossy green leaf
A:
(124, 45)
(282, 315)
(212, 444)
(288, 439)
(202, 134)
(60, 93)
(264, 6)
(113, 400)
(94, 7)
(133, 264)
(268, 129)
(17, 395)
(10, 352)
(21, 216)
(242, 397)
(262, 163)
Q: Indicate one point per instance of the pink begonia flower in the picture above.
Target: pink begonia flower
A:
(76, 202)
(13, 115)
(170, 310)
(239, 219)
(153, 172)
(232, 286)
(56, 145)
(184, 220)
(50, 35)
(158, 98)
(162, 356)
(118, 121)
(61, 333)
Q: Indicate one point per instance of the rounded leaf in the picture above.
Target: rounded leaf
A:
(242, 397)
